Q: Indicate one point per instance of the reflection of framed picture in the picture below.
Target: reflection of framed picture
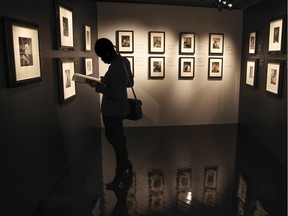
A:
(184, 179)
(88, 66)
(156, 42)
(215, 68)
(87, 36)
(273, 77)
(22, 40)
(209, 197)
(64, 23)
(186, 67)
(67, 87)
(187, 43)
(216, 43)
(252, 42)
(210, 177)
(125, 41)
(156, 181)
(276, 35)
(251, 72)
(131, 60)
(156, 67)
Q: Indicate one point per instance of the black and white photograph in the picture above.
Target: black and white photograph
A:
(252, 43)
(216, 43)
(210, 177)
(275, 36)
(186, 67)
(156, 67)
(125, 41)
(187, 43)
(88, 66)
(87, 36)
(156, 42)
(215, 68)
(131, 60)
(251, 72)
(273, 77)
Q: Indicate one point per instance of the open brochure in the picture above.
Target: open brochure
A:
(81, 78)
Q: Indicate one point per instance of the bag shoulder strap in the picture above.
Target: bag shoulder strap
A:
(130, 83)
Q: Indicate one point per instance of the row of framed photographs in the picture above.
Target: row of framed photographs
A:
(276, 35)
(125, 42)
(156, 67)
(273, 75)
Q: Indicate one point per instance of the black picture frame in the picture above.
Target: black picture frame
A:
(187, 43)
(88, 66)
(156, 67)
(252, 43)
(87, 37)
(125, 41)
(251, 72)
(131, 60)
(216, 43)
(156, 42)
(186, 67)
(23, 52)
(274, 72)
(276, 36)
(64, 26)
(215, 68)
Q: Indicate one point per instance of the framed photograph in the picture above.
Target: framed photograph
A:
(209, 197)
(88, 66)
(23, 52)
(187, 43)
(276, 35)
(216, 43)
(186, 67)
(87, 36)
(156, 67)
(251, 72)
(67, 87)
(131, 60)
(252, 43)
(64, 27)
(215, 68)
(125, 41)
(273, 77)
(210, 177)
(156, 42)
(156, 181)
(184, 179)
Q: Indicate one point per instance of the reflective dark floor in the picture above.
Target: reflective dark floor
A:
(187, 170)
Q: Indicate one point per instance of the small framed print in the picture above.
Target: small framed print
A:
(156, 67)
(186, 67)
(87, 36)
(156, 181)
(251, 72)
(131, 60)
(209, 197)
(273, 77)
(88, 66)
(216, 43)
(23, 56)
(67, 87)
(125, 41)
(156, 42)
(276, 35)
(187, 43)
(210, 177)
(252, 43)
(215, 68)
(64, 24)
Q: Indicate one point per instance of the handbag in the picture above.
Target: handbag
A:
(134, 103)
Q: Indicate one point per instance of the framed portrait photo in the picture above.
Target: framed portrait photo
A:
(88, 66)
(156, 67)
(252, 43)
(67, 87)
(215, 68)
(273, 77)
(210, 177)
(156, 42)
(87, 37)
(125, 41)
(276, 35)
(64, 27)
(23, 52)
(131, 60)
(187, 43)
(186, 67)
(216, 43)
(251, 69)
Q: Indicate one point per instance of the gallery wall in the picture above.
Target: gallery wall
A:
(262, 114)
(171, 101)
(41, 138)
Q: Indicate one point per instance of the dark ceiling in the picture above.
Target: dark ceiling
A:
(237, 4)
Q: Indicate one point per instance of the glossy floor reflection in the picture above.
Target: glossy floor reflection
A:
(193, 170)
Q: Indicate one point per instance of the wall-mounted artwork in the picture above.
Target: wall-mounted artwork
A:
(251, 69)
(156, 42)
(215, 68)
(186, 67)
(276, 35)
(187, 43)
(216, 43)
(64, 27)
(131, 60)
(273, 77)
(87, 36)
(125, 41)
(67, 87)
(22, 41)
(252, 43)
(88, 66)
(156, 67)
(210, 177)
